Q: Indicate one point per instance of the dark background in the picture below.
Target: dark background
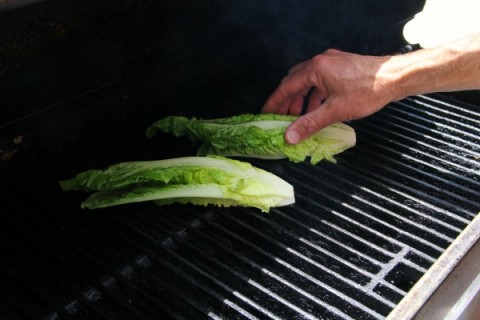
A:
(55, 53)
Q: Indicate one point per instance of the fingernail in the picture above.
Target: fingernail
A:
(293, 137)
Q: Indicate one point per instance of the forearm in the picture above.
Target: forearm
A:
(451, 67)
(349, 86)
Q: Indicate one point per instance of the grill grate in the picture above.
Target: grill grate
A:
(361, 234)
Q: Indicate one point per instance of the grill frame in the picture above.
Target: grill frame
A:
(432, 280)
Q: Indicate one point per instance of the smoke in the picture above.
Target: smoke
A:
(308, 27)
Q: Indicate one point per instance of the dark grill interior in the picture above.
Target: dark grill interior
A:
(360, 235)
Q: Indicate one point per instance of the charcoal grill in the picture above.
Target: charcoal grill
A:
(370, 237)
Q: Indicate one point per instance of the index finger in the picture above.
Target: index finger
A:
(293, 84)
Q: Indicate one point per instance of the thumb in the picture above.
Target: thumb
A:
(309, 124)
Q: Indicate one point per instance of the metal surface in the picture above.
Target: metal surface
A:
(458, 295)
(362, 232)
(435, 277)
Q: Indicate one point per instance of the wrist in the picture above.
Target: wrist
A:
(395, 74)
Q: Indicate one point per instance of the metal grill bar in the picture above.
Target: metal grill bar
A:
(422, 215)
(423, 188)
(361, 234)
(444, 130)
(444, 115)
(396, 204)
(237, 237)
(433, 162)
(464, 164)
(362, 215)
(422, 131)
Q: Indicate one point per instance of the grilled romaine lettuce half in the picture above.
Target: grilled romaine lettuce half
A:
(197, 180)
(257, 136)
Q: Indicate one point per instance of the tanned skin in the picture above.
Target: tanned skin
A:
(347, 86)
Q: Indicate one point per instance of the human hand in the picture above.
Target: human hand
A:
(345, 86)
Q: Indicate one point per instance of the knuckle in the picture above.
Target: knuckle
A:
(310, 125)
(332, 51)
(318, 59)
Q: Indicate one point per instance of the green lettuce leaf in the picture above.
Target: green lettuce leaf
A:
(257, 135)
(198, 180)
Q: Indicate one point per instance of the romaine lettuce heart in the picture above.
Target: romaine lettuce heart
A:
(198, 180)
(257, 136)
